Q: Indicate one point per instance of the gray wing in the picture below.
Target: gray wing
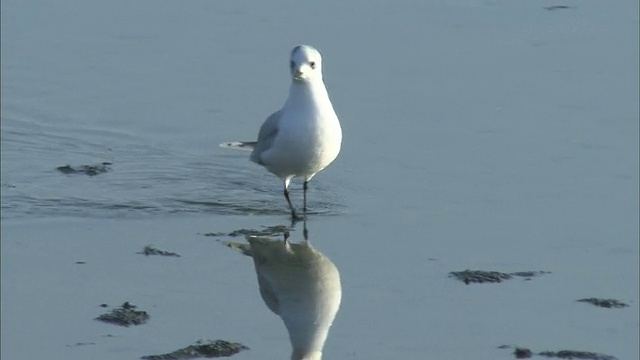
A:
(266, 135)
(269, 128)
(268, 295)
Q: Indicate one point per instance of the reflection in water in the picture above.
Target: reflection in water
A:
(299, 284)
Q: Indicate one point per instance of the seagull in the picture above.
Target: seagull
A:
(300, 285)
(304, 136)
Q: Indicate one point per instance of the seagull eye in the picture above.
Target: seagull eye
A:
(312, 64)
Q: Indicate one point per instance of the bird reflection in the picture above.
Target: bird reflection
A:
(299, 284)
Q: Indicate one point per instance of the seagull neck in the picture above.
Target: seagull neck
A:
(305, 93)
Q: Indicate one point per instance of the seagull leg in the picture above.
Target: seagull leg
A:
(305, 186)
(305, 232)
(294, 216)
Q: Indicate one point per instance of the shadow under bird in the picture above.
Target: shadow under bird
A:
(299, 284)
(304, 136)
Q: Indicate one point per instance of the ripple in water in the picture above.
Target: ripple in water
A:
(143, 180)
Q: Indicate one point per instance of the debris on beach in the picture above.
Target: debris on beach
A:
(558, 7)
(519, 352)
(605, 303)
(481, 276)
(571, 354)
(81, 344)
(275, 230)
(524, 353)
(150, 250)
(201, 349)
(125, 315)
(90, 170)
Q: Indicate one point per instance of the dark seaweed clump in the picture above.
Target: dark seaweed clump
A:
(209, 349)
(558, 7)
(605, 303)
(275, 230)
(82, 344)
(571, 354)
(90, 170)
(125, 315)
(481, 276)
(150, 250)
(524, 353)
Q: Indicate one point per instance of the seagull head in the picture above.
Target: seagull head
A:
(305, 63)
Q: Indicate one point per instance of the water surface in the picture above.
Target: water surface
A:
(493, 135)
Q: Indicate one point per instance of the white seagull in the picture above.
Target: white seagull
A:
(305, 135)
(301, 285)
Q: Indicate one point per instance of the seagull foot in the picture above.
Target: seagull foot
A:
(296, 218)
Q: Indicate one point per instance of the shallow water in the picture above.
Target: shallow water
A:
(492, 135)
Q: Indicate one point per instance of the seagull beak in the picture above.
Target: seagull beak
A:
(300, 73)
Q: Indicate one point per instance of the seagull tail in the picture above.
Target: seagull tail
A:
(239, 145)
(243, 248)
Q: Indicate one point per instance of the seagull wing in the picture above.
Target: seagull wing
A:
(269, 128)
(267, 134)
